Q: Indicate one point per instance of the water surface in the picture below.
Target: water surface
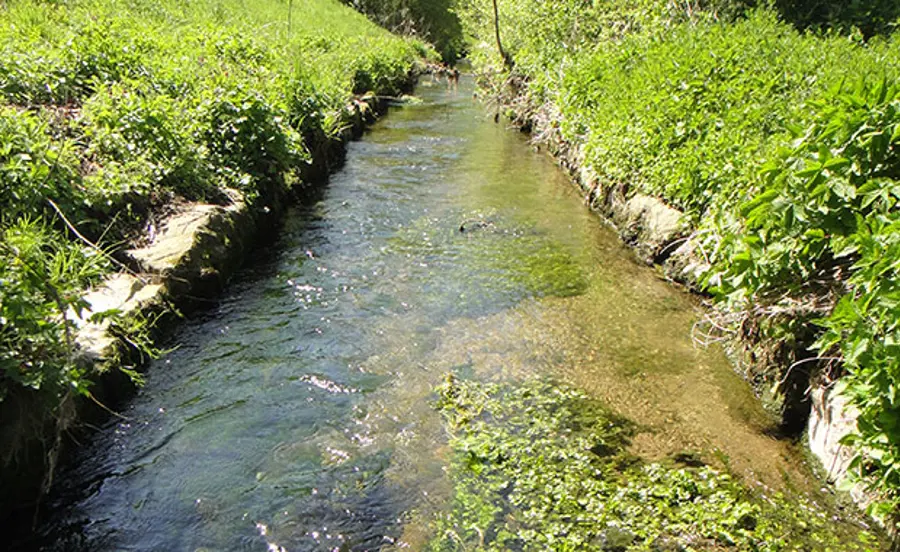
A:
(296, 414)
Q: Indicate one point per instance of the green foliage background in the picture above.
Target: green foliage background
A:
(433, 20)
(774, 128)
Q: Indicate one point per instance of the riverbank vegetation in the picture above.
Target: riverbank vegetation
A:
(113, 111)
(433, 20)
(775, 128)
(537, 465)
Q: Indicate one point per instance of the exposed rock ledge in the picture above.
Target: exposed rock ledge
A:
(187, 260)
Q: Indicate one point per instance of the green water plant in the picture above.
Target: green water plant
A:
(539, 465)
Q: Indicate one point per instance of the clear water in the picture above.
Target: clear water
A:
(296, 414)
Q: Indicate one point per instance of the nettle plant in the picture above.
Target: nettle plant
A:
(825, 222)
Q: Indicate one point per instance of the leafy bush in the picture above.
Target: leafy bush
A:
(825, 221)
(147, 137)
(32, 165)
(242, 133)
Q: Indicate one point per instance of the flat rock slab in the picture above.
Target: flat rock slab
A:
(176, 248)
(830, 419)
(123, 293)
(176, 239)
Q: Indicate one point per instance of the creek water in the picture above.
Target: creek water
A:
(297, 413)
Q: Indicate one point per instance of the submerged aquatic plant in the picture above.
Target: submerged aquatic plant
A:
(541, 466)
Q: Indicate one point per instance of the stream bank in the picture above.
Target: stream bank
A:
(807, 405)
(184, 267)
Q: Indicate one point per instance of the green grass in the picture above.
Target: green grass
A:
(112, 108)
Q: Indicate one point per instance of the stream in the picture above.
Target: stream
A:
(297, 414)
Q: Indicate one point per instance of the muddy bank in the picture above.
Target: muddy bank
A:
(181, 268)
(661, 235)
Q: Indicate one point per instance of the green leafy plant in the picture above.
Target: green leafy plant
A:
(43, 276)
(825, 222)
(538, 465)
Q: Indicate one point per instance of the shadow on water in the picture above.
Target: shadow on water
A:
(297, 413)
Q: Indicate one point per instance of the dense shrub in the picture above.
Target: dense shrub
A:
(145, 137)
(33, 166)
(826, 217)
(243, 133)
(42, 278)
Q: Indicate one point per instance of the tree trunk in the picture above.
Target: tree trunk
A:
(507, 59)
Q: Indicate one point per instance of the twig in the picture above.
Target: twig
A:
(290, 16)
(106, 408)
(92, 245)
(673, 243)
(804, 361)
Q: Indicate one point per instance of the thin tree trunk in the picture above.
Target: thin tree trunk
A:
(507, 59)
(290, 16)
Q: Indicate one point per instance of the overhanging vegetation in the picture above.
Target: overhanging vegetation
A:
(111, 112)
